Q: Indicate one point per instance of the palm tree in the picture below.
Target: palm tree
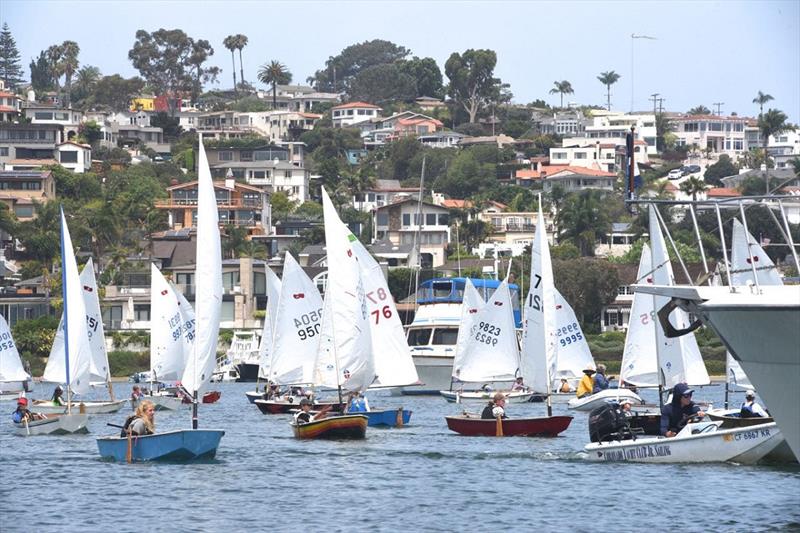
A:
(241, 42)
(231, 43)
(773, 122)
(562, 87)
(55, 59)
(584, 219)
(70, 51)
(693, 186)
(608, 79)
(274, 73)
(762, 99)
(85, 80)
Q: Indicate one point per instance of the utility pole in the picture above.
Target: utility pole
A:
(661, 105)
(654, 99)
(719, 106)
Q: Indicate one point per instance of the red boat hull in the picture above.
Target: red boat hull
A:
(209, 397)
(271, 407)
(334, 427)
(546, 426)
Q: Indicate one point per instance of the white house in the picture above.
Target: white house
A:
(404, 222)
(722, 135)
(612, 127)
(75, 157)
(348, 114)
(384, 192)
(784, 147)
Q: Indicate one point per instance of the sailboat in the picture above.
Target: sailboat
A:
(72, 365)
(671, 361)
(99, 369)
(13, 376)
(537, 359)
(344, 357)
(296, 340)
(190, 444)
(267, 333)
(475, 361)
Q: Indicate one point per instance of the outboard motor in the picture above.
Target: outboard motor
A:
(607, 423)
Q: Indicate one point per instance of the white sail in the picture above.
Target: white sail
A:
(207, 282)
(639, 362)
(471, 304)
(572, 351)
(268, 332)
(188, 326)
(746, 252)
(538, 359)
(350, 361)
(393, 363)
(167, 357)
(297, 327)
(491, 352)
(11, 369)
(742, 265)
(679, 358)
(72, 368)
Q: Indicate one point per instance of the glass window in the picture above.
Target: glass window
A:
(141, 312)
(23, 211)
(383, 219)
(419, 337)
(226, 155)
(580, 155)
(3, 151)
(444, 219)
(430, 219)
(406, 219)
(259, 283)
(69, 157)
(246, 155)
(227, 312)
(447, 336)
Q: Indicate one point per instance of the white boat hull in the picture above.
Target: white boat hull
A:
(56, 425)
(166, 403)
(89, 407)
(458, 397)
(741, 445)
(587, 403)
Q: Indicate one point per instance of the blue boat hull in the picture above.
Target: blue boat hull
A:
(182, 445)
(386, 417)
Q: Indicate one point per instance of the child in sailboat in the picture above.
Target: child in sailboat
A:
(495, 408)
(143, 422)
(57, 397)
(586, 384)
(751, 408)
(22, 414)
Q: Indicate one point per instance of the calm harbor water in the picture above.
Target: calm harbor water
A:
(419, 478)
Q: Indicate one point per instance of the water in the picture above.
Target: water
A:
(419, 478)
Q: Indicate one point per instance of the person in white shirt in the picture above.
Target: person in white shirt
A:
(750, 408)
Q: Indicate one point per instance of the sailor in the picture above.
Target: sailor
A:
(519, 385)
(750, 407)
(358, 403)
(22, 414)
(57, 397)
(496, 407)
(600, 379)
(564, 387)
(675, 415)
(586, 384)
(143, 422)
(303, 416)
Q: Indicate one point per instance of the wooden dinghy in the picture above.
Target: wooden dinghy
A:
(57, 424)
(278, 407)
(474, 426)
(333, 427)
(180, 446)
(731, 418)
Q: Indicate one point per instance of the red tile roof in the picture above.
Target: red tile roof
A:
(455, 203)
(356, 104)
(722, 192)
(550, 170)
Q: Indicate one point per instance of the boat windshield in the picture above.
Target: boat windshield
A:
(419, 336)
(447, 336)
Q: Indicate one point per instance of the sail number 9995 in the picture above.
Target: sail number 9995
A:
(308, 324)
(487, 333)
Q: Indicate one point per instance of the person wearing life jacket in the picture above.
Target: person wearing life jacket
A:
(495, 408)
(750, 408)
(586, 384)
(22, 414)
(600, 379)
(358, 403)
(676, 414)
(142, 422)
(57, 397)
(304, 416)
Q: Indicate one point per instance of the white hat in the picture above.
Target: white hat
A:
(750, 393)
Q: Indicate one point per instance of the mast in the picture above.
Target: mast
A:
(417, 236)
(66, 314)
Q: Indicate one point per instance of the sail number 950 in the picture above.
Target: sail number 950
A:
(308, 324)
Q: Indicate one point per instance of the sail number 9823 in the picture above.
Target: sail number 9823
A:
(487, 333)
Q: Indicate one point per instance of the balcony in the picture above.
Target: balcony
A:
(192, 202)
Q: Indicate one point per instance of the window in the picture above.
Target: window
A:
(23, 211)
(430, 219)
(227, 314)
(69, 157)
(337, 113)
(3, 151)
(580, 155)
(349, 112)
(445, 336)
(112, 316)
(406, 219)
(444, 219)
(362, 111)
(738, 144)
(226, 156)
(714, 126)
(259, 283)
(559, 155)
(690, 126)
(419, 337)
(246, 155)
(738, 127)
(41, 115)
(141, 312)
(259, 174)
(383, 219)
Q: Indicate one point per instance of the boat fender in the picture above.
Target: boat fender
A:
(399, 420)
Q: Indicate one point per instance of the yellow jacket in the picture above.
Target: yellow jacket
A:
(586, 386)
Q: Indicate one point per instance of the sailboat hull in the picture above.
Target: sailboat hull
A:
(333, 427)
(696, 443)
(587, 403)
(546, 426)
(279, 407)
(388, 417)
(458, 397)
(55, 425)
(178, 446)
(91, 408)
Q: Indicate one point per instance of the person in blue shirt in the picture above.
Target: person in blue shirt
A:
(22, 414)
(600, 379)
(357, 404)
(676, 414)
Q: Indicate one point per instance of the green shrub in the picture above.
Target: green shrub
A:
(125, 363)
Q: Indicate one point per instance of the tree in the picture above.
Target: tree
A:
(201, 50)
(41, 75)
(85, 82)
(281, 205)
(274, 73)
(383, 84)
(699, 110)
(723, 168)
(562, 88)
(426, 73)
(55, 63)
(241, 42)
(231, 43)
(10, 66)
(584, 219)
(773, 122)
(693, 186)
(472, 82)
(762, 99)
(341, 70)
(164, 59)
(588, 285)
(70, 51)
(116, 92)
(608, 79)
(170, 125)
(90, 132)
(664, 128)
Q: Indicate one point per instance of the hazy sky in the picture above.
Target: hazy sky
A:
(705, 52)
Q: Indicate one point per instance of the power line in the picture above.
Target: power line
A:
(654, 98)
(719, 106)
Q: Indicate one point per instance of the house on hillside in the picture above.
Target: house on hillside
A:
(75, 156)
(575, 179)
(406, 222)
(10, 106)
(384, 192)
(352, 113)
(25, 146)
(720, 134)
(19, 189)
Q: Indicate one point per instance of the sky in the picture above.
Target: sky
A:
(704, 51)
